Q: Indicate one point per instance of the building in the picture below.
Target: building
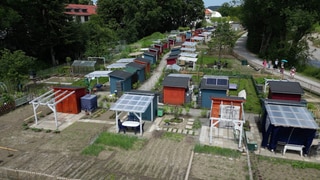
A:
(120, 81)
(212, 86)
(79, 12)
(285, 90)
(176, 89)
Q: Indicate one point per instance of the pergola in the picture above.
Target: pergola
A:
(136, 104)
(50, 99)
(229, 113)
(97, 74)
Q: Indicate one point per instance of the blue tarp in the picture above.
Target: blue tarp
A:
(89, 102)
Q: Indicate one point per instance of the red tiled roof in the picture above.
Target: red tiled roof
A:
(90, 9)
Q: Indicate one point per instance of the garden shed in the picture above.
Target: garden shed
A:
(159, 47)
(83, 66)
(176, 90)
(145, 62)
(60, 99)
(152, 56)
(287, 122)
(176, 50)
(227, 112)
(174, 53)
(155, 50)
(172, 60)
(120, 81)
(212, 86)
(285, 90)
(137, 104)
(137, 68)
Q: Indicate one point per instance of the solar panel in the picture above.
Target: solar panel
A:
(211, 81)
(290, 116)
(132, 103)
(216, 82)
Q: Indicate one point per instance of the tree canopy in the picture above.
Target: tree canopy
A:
(277, 29)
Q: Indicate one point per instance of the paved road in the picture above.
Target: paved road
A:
(240, 50)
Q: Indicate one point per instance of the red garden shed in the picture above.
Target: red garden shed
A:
(72, 103)
(145, 61)
(172, 60)
(285, 90)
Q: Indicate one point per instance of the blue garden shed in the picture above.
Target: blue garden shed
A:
(176, 50)
(152, 56)
(120, 81)
(150, 113)
(212, 86)
(287, 123)
(137, 68)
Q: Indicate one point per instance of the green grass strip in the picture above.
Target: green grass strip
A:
(217, 150)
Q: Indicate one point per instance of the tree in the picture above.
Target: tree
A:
(15, 67)
(223, 39)
(277, 30)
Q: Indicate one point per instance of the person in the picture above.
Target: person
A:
(292, 72)
(264, 63)
(276, 62)
(269, 64)
(282, 69)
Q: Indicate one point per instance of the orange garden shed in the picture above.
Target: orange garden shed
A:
(227, 112)
(72, 103)
(175, 90)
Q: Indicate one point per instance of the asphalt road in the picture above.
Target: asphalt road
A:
(241, 52)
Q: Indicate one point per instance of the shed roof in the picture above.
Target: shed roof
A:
(150, 53)
(125, 60)
(290, 115)
(120, 74)
(117, 65)
(84, 63)
(187, 54)
(132, 103)
(285, 87)
(215, 83)
(181, 82)
(136, 65)
(143, 59)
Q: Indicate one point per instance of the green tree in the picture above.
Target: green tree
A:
(277, 30)
(15, 67)
(223, 40)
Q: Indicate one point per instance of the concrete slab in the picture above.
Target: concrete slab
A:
(188, 127)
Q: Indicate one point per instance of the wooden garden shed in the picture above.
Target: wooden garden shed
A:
(120, 81)
(152, 56)
(137, 68)
(146, 62)
(71, 104)
(156, 51)
(172, 60)
(227, 112)
(159, 47)
(176, 89)
(212, 86)
(285, 90)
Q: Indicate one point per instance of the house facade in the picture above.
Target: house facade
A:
(79, 12)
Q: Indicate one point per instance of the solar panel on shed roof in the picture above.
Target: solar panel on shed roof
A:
(216, 82)
(132, 103)
(290, 116)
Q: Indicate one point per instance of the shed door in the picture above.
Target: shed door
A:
(175, 96)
